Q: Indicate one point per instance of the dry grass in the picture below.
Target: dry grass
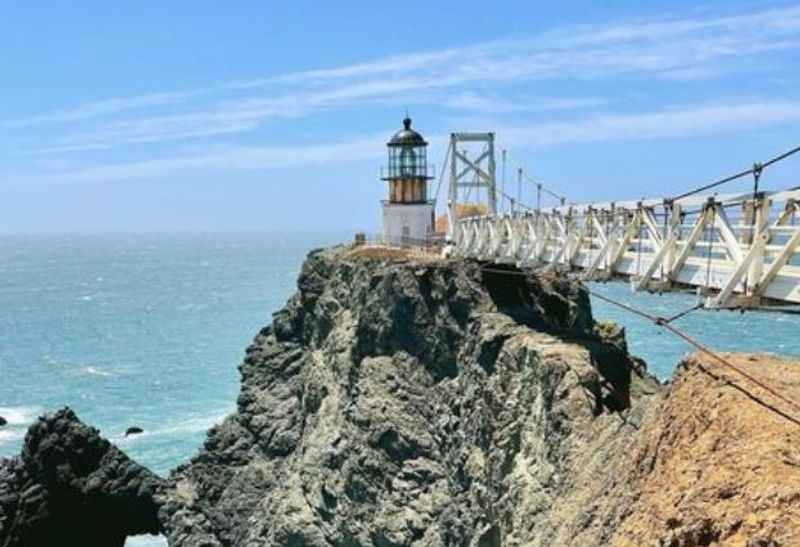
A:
(719, 464)
(385, 252)
(463, 210)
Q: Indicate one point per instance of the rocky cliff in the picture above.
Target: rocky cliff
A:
(415, 403)
(428, 402)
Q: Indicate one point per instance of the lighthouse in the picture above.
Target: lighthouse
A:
(407, 213)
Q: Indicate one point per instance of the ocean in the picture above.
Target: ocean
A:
(148, 329)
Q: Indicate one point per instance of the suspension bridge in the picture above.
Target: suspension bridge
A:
(737, 250)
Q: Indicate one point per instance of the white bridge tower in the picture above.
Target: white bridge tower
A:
(468, 176)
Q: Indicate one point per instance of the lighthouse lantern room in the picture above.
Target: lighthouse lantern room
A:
(407, 214)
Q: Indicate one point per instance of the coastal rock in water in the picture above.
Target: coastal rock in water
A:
(3, 421)
(133, 431)
(72, 487)
(425, 402)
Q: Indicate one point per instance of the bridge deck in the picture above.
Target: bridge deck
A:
(739, 249)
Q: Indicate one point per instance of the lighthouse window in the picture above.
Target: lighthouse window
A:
(393, 162)
(408, 161)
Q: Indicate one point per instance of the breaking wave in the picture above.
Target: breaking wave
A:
(18, 419)
(10, 435)
(95, 371)
(195, 424)
(20, 415)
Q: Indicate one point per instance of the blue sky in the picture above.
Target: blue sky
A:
(196, 116)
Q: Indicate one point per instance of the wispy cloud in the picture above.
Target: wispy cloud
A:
(476, 102)
(685, 48)
(235, 158)
(688, 121)
(677, 122)
(100, 108)
(748, 23)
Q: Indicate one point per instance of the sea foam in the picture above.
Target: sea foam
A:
(194, 424)
(146, 541)
(20, 415)
(18, 419)
(95, 371)
(10, 435)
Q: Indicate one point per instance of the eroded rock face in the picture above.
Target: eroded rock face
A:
(415, 403)
(72, 487)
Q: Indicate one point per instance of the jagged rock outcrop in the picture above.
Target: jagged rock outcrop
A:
(72, 487)
(420, 403)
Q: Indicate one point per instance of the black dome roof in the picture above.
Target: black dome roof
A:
(407, 136)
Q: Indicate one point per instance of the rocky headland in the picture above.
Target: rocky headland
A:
(400, 401)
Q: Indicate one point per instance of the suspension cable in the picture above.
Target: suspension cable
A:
(562, 198)
(757, 166)
(661, 322)
(514, 200)
(684, 313)
(781, 157)
(666, 324)
(441, 173)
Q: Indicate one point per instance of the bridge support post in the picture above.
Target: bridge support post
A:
(468, 174)
(787, 251)
(760, 238)
(452, 200)
(674, 234)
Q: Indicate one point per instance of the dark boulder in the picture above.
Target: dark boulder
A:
(2, 421)
(70, 486)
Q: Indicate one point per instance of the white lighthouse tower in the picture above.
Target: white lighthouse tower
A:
(407, 214)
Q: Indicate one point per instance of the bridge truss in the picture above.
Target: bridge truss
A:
(738, 250)
(468, 174)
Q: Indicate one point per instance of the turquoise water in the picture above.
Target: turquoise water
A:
(148, 330)
(722, 330)
(140, 330)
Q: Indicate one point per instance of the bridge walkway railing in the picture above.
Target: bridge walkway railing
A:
(739, 250)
